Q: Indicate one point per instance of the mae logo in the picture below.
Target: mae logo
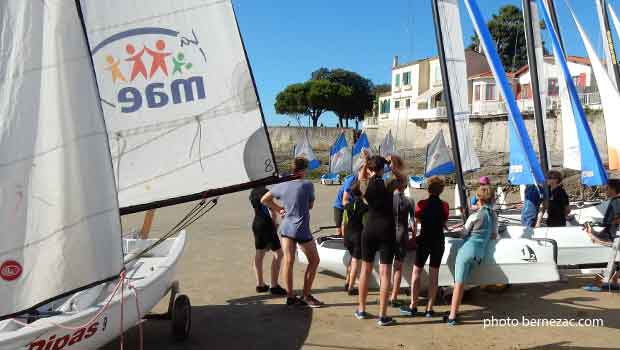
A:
(150, 68)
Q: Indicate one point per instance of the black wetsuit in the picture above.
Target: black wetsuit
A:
(558, 202)
(265, 234)
(355, 214)
(379, 234)
(433, 215)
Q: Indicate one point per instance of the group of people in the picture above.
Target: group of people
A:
(375, 218)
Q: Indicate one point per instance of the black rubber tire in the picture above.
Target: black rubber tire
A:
(181, 317)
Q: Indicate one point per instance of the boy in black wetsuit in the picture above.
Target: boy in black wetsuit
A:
(404, 214)
(558, 200)
(265, 237)
(433, 215)
(354, 218)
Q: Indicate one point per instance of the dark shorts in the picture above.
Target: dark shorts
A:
(373, 243)
(338, 213)
(353, 243)
(400, 252)
(299, 240)
(425, 249)
(265, 237)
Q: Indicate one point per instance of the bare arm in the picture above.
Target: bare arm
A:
(268, 201)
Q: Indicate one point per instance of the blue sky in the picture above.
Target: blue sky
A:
(287, 39)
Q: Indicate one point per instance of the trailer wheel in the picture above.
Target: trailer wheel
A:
(181, 317)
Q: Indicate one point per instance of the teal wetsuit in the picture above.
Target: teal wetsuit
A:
(481, 226)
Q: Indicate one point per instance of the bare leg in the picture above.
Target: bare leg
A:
(363, 286)
(309, 249)
(275, 267)
(432, 287)
(385, 271)
(398, 272)
(258, 266)
(457, 297)
(288, 246)
(354, 270)
(415, 285)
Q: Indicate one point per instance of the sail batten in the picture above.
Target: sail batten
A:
(58, 202)
(179, 98)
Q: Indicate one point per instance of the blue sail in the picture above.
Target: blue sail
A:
(361, 144)
(524, 166)
(592, 169)
(340, 156)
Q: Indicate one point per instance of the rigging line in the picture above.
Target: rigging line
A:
(197, 136)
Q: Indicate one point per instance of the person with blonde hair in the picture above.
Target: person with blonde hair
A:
(480, 228)
(433, 215)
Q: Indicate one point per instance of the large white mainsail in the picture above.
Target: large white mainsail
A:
(58, 205)
(570, 141)
(178, 98)
(610, 99)
(455, 59)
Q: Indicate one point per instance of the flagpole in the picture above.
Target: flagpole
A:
(456, 154)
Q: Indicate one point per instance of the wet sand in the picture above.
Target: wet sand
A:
(216, 273)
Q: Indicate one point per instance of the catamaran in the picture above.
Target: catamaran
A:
(106, 112)
(509, 260)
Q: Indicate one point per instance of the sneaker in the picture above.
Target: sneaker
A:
(408, 311)
(385, 321)
(429, 313)
(353, 291)
(396, 303)
(295, 301)
(449, 321)
(592, 288)
(277, 290)
(360, 315)
(262, 289)
(313, 302)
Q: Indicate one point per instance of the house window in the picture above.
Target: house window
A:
(525, 91)
(408, 103)
(384, 107)
(437, 73)
(396, 104)
(407, 78)
(397, 80)
(552, 87)
(477, 93)
(490, 92)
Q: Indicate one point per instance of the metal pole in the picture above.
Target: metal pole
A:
(554, 19)
(539, 114)
(456, 154)
(610, 41)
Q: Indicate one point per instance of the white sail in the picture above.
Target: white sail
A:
(304, 150)
(178, 97)
(387, 147)
(58, 205)
(571, 158)
(614, 18)
(606, 37)
(457, 68)
(610, 99)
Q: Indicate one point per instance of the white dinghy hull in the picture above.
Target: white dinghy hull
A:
(513, 261)
(151, 276)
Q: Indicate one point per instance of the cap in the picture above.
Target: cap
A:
(484, 180)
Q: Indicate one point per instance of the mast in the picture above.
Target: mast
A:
(610, 41)
(534, 79)
(556, 26)
(456, 154)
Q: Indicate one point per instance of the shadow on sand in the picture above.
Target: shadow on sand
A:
(238, 326)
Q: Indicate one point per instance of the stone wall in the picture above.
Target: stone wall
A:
(284, 138)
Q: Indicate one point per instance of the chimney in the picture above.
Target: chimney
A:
(395, 62)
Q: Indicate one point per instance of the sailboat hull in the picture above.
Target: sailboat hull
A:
(150, 276)
(513, 261)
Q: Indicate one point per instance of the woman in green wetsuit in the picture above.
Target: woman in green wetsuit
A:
(481, 227)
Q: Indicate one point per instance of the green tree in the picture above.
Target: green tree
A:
(310, 99)
(508, 31)
(354, 97)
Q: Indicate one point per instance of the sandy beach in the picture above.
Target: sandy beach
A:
(216, 273)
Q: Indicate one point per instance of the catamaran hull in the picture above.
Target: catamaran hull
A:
(513, 261)
(151, 276)
(575, 248)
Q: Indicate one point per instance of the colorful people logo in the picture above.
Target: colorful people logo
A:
(138, 66)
